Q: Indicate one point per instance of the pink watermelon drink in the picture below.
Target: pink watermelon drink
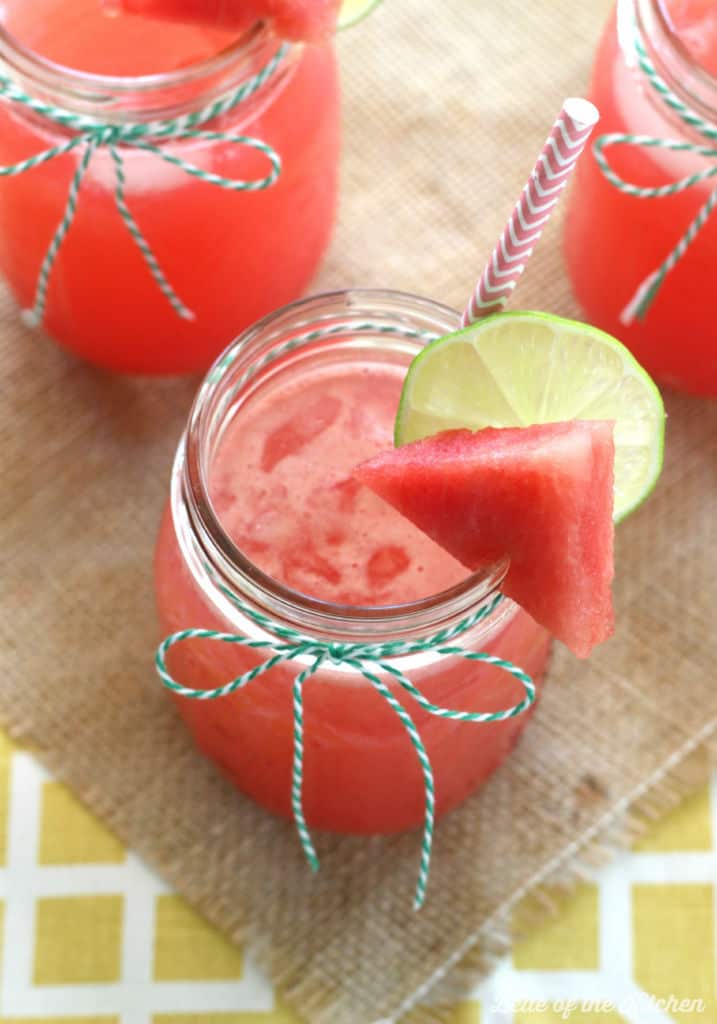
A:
(613, 240)
(290, 529)
(230, 256)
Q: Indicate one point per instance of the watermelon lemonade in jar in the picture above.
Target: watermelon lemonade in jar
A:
(264, 505)
(164, 183)
(641, 235)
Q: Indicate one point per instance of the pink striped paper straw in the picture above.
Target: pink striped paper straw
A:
(532, 211)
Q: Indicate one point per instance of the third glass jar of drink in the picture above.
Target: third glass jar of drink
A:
(641, 264)
(209, 190)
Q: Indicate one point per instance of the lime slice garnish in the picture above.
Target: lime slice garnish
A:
(353, 11)
(517, 369)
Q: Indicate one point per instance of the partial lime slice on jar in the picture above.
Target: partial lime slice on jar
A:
(518, 369)
(353, 11)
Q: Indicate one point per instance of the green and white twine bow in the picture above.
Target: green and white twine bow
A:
(647, 291)
(92, 134)
(288, 645)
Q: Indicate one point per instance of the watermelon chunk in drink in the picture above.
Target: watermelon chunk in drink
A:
(543, 495)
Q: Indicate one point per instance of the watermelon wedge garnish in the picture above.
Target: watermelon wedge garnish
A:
(304, 20)
(542, 495)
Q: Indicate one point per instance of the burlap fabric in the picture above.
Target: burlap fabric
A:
(446, 106)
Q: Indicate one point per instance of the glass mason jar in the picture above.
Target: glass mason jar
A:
(361, 774)
(615, 241)
(228, 255)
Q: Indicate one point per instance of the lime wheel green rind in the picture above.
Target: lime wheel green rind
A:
(521, 368)
(353, 11)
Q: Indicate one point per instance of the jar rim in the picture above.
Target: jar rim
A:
(666, 20)
(228, 563)
(694, 83)
(89, 92)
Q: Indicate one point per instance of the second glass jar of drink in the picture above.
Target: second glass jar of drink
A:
(230, 254)
(264, 507)
(616, 241)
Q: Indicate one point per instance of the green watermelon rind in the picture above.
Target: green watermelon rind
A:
(629, 361)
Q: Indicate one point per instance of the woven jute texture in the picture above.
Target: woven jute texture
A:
(446, 106)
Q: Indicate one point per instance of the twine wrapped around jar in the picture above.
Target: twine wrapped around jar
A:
(368, 659)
